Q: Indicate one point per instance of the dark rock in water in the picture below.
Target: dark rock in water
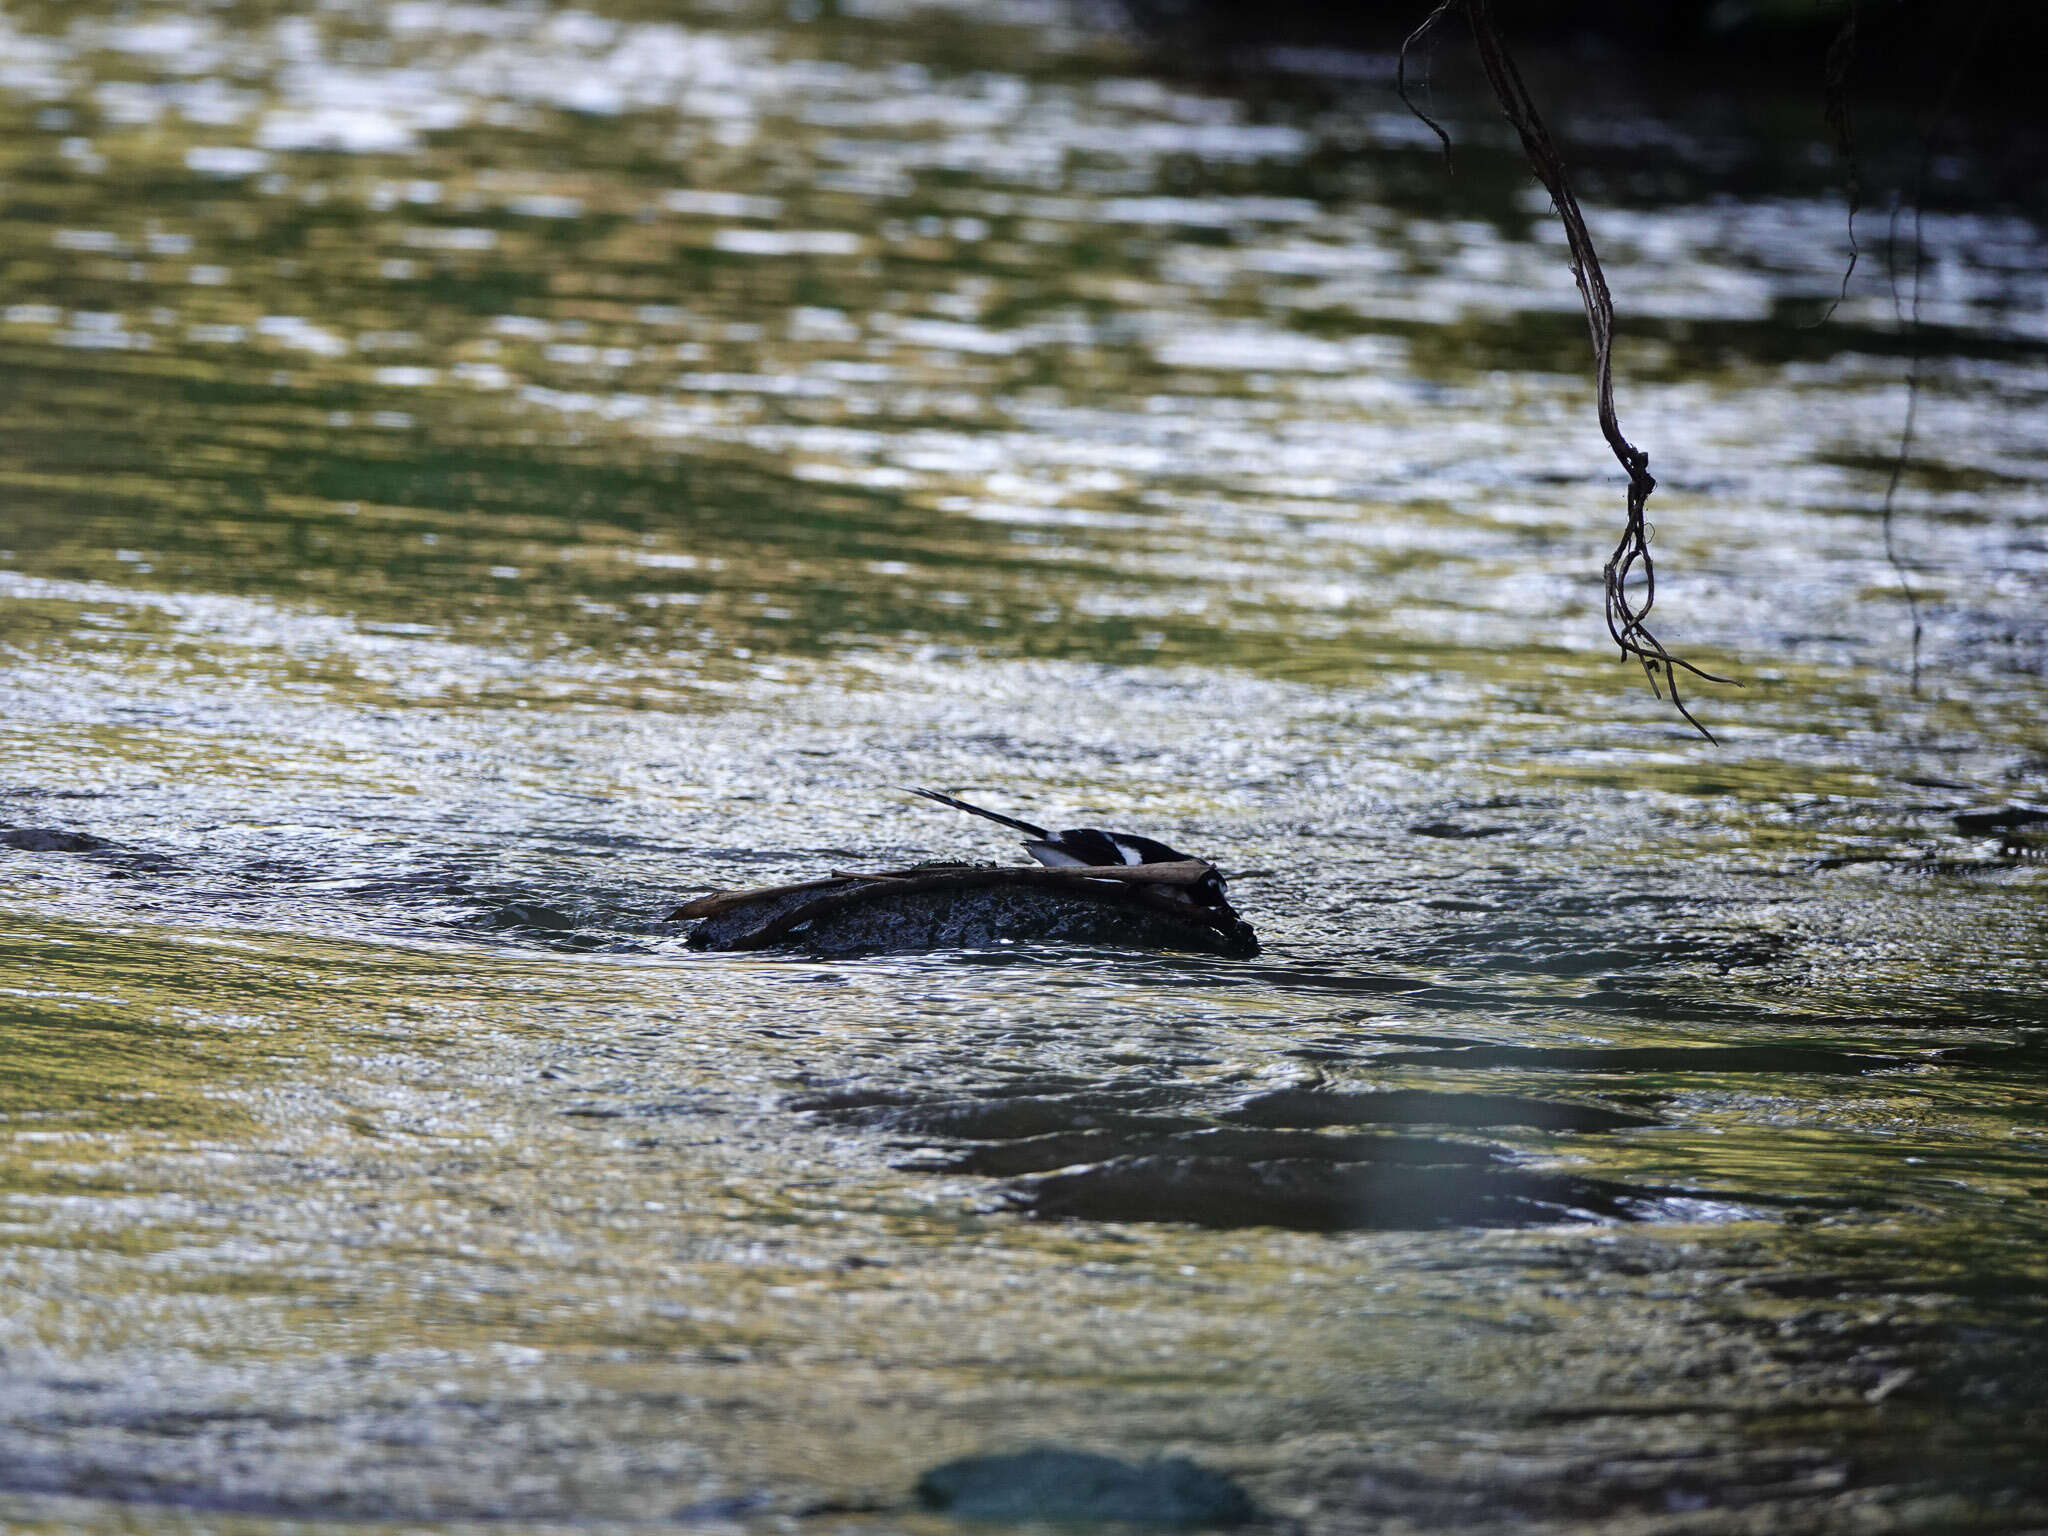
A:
(739, 1506)
(1077, 1486)
(1043, 1154)
(50, 840)
(735, 925)
(1323, 1197)
(1998, 818)
(528, 914)
(1455, 829)
(1301, 1107)
(964, 909)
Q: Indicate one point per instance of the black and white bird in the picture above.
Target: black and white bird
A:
(1082, 847)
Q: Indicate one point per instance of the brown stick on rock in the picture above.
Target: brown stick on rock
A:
(725, 901)
(1178, 872)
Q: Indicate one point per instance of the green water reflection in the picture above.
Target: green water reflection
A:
(470, 474)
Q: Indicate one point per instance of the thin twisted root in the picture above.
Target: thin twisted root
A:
(1628, 606)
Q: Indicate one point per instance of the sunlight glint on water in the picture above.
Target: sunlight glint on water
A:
(473, 475)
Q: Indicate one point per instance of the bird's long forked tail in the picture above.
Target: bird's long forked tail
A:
(975, 810)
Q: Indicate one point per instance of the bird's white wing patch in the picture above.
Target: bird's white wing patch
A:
(1054, 857)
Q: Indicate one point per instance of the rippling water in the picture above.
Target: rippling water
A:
(471, 475)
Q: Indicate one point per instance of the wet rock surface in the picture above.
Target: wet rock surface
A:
(971, 909)
(1078, 1487)
(1419, 1106)
(1320, 1195)
(49, 840)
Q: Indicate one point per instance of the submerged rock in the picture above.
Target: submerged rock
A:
(963, 907)
(50, 840)
(1052, 1484)
(1322, 1196)
(527, 914)
(1998, 818)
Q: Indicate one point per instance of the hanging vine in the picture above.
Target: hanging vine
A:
(1631, 573)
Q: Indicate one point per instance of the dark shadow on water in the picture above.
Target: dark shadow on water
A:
(1705, 1058)
(1129, 1150)
(1323, 1196)
(1408, 1106)
(1044, 1154)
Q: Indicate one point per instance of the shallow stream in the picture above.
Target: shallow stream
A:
(473, 476)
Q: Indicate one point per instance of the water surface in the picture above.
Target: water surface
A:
(471, 476)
